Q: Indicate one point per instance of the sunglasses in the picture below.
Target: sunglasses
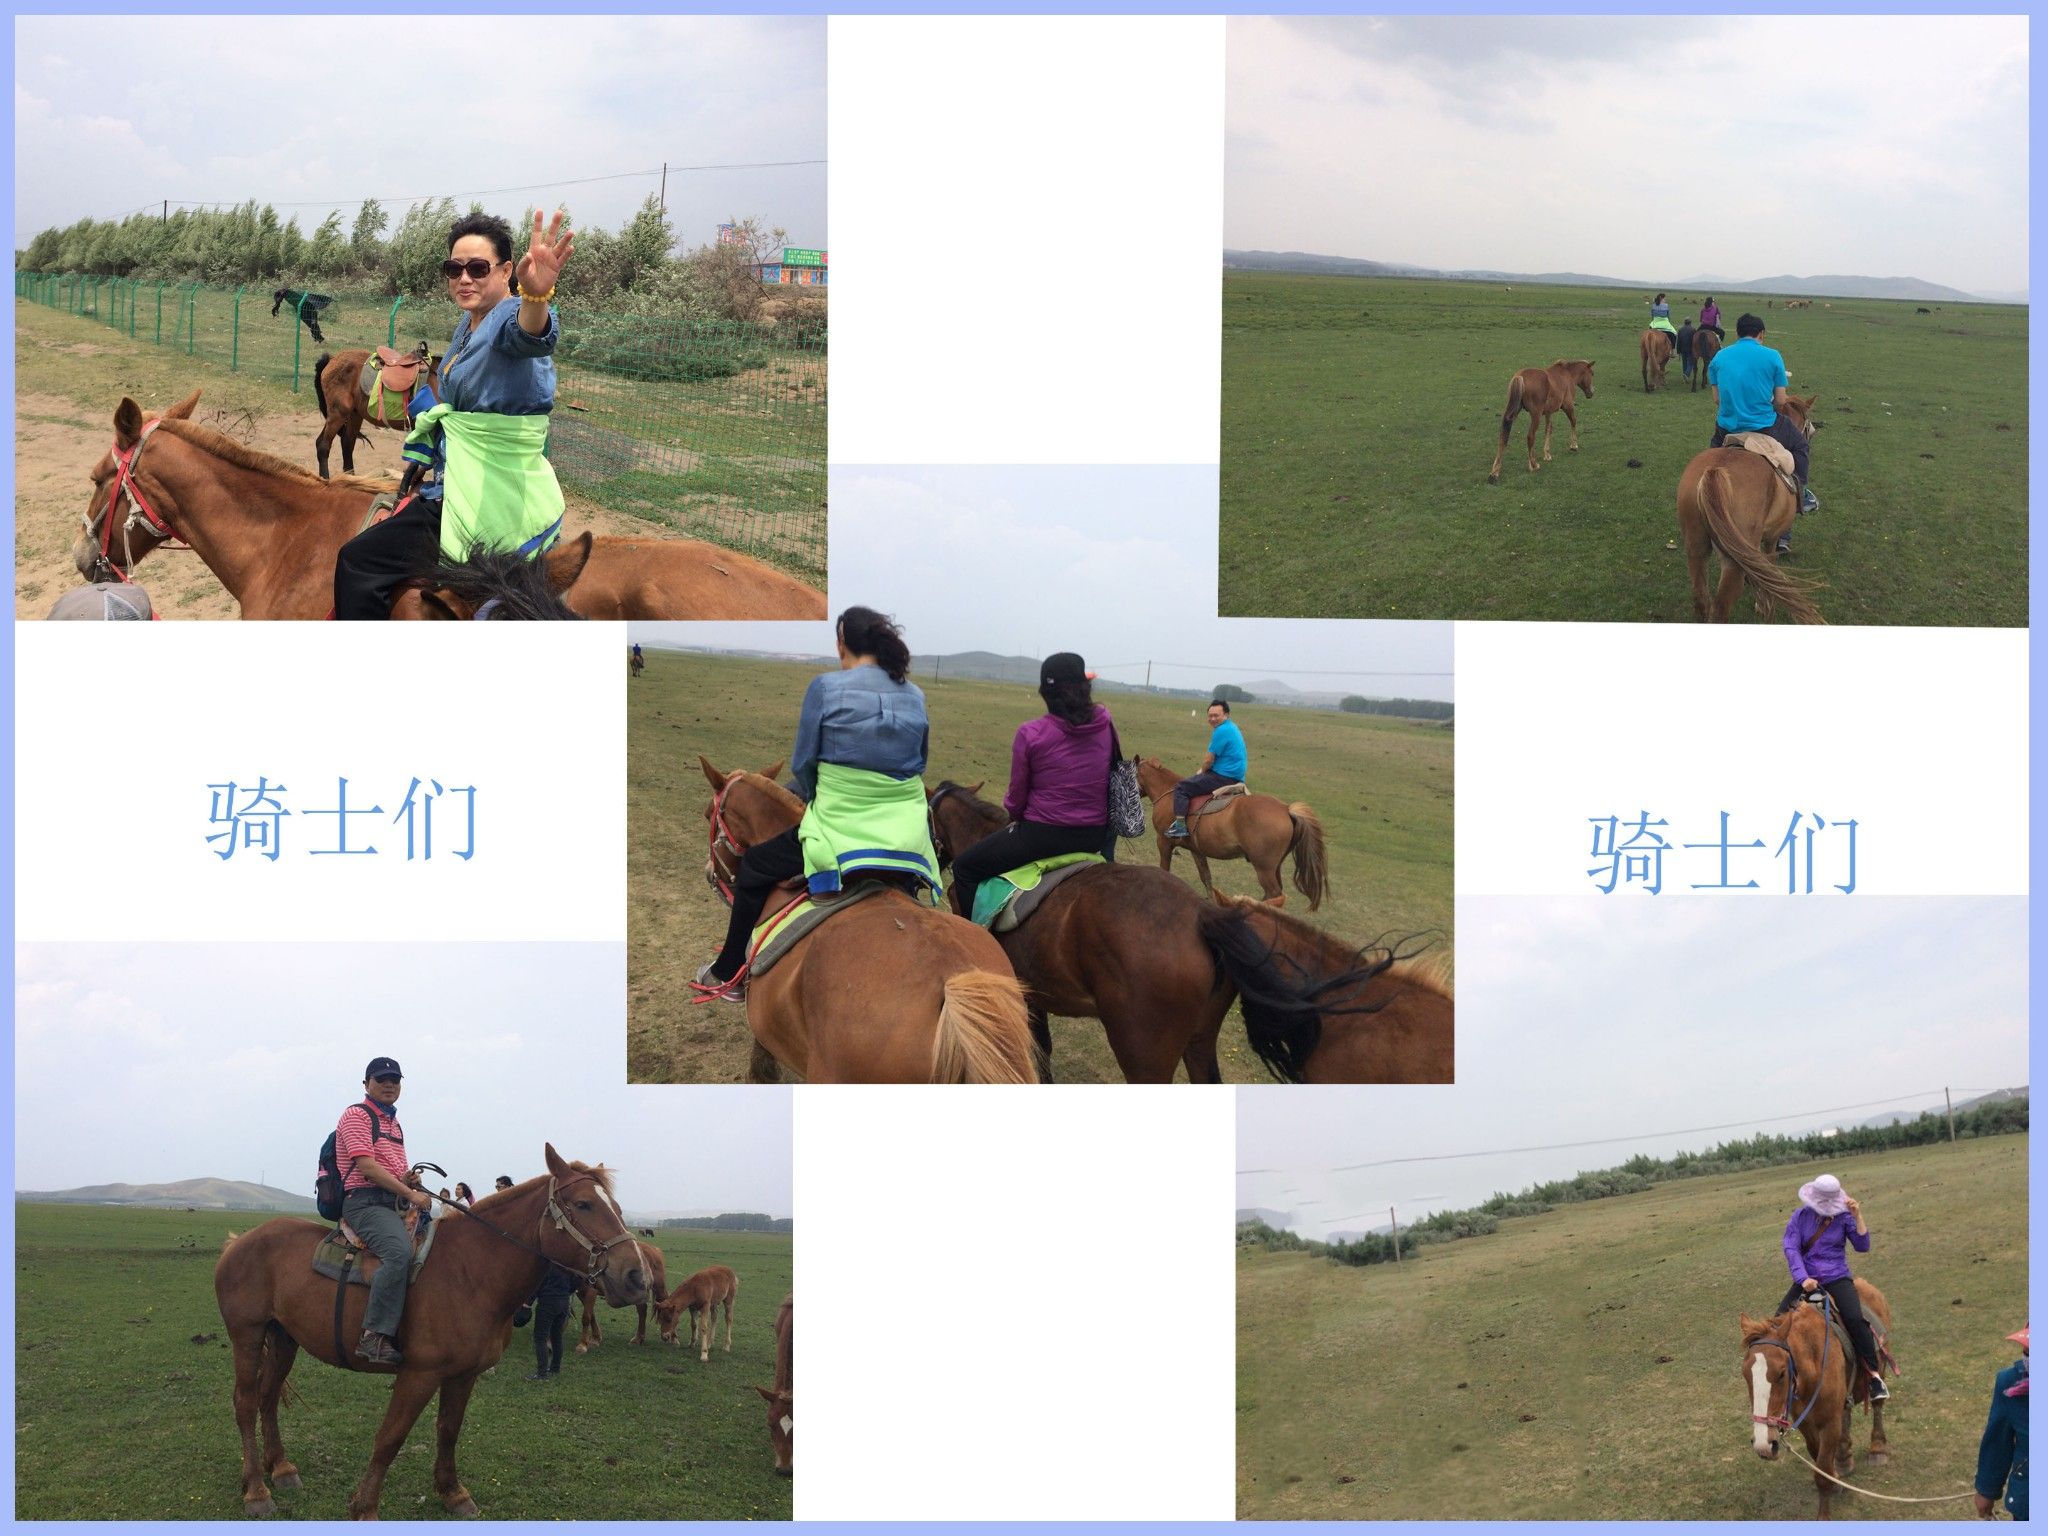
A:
(388, 1077)
(477, 268)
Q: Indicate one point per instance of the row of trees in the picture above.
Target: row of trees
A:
(1407, 709)
(735, 1221)
(1996, 1117)
(634, 269)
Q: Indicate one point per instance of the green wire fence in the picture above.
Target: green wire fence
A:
(714, 429)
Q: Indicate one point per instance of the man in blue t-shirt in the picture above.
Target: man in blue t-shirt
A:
(1224, 764)
(1749, 380)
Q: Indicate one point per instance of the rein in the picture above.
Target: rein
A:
(1792, 1369)
(594, 1250)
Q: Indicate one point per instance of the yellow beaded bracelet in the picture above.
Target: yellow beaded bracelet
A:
(539, 298)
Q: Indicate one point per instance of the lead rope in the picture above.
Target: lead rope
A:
(1889, 1498)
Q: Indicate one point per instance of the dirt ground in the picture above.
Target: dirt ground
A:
(70, 378)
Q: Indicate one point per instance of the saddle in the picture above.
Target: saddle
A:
(793, 913)
(340, 1254)
(1859, 1379)
(384, 506)
(1203, 805)
(1770, 450)
(388, 380)
(1004, 903)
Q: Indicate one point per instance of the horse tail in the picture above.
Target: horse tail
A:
(1278, 1001)
(1511, 410)
(984, 1031)
(319, 394)
(1311, 868)
(1775, 587)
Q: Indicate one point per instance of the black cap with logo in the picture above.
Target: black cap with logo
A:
(383, 1066)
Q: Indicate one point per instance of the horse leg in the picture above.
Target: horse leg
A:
(728, 1325)
(1845, 1447)
(1571, 415)
(248, 1347)
(1041, 1040)
(762, 1067)
(322, 443)
(640, 1333)
(447, 1430)
(1729, 589)
(1549, 426)
(1201, 867)
(1531, 444)
(1820, 1452)
(351, 433)
(1879, 1453)
(277, 1365)
(1200, 1056)
(1165, 854)
(1692, 528)
(409, 1396)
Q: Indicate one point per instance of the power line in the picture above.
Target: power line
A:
(1608, 1141)
(1203, 666)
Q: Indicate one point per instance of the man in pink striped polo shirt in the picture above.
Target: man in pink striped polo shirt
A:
(369, 1145)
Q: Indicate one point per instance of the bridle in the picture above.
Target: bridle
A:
(593, 1250)
(101, 529)
(931, 807)
(1779, 1421)
(723, 867)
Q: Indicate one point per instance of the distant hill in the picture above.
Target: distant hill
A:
(1899, 1116)
(1279, 1221)
(196, 1194)
(1833, 286)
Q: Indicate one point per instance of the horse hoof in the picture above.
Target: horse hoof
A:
(1877, 1458)
(256, 1509)
(465, 1510)
(286, 1481)
(1493, 479)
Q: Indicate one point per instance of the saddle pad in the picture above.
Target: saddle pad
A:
(1204, 804)
(383, 505)
(1013, 902)
(779, 934)
(336, 1248)
(1768, 448)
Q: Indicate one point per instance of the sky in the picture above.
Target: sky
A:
(1589, 1018)
(1649, 149)
(146, 1064)
(113, 115)
(1116, 562)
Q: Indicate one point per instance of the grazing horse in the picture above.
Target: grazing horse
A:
(701, 1296)
(781, 1398)
(1797, 1374)
(1542, 392)
(1262, 829)
(588, 1334)
(345, 413)
(888, 991)
(1733, 503)
(1134, 947)
(497, 584)
(1704, 345)
(270, 532)
(1657, 347)
(486, 1261)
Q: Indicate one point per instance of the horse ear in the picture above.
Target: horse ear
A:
(773, 772)
(566, 562)
(182, 411)
(127, 422)
(717, 779)
(440, 604)
(556, 1166)
(974, 788)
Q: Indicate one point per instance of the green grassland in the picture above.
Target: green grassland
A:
(1382, 788)
(1582, 1364)
(1360, 417)
(123, 1383)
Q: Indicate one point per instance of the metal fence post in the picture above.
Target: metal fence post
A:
(391, 324)
(159, 314)
(192, 320)
(298, 331)
(235, 347)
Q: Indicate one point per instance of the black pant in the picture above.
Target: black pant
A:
(1784, 430)
(375, 563)
(550, 1317)
(1850, 1306)
(762, 867)
(1017, 844)
(1197, 784)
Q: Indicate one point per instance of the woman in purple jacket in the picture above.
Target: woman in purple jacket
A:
(1059, 783)
(1817, 1241)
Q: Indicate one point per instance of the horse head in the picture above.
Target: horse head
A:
(746, 809)
(584, 1229)
(781, 1427)
(952, 817)
(1800, 409)
(1154, 777)
(1766, 1372)
(500, 585)
(1582, 374)
(109, 542)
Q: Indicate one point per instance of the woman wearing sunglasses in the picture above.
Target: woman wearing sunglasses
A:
(484, 442)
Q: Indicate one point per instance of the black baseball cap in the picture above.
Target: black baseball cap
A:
(382, 1066)
(1064, 667)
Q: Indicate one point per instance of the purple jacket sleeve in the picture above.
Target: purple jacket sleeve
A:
(1019, 793)
(1793, 1238)
(1860, 1241)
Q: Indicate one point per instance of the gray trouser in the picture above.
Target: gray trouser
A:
(382, 1230)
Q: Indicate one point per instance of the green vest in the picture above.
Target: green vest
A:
(497, 487)
(863, 820)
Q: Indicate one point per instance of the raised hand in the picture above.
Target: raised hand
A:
(546, 254)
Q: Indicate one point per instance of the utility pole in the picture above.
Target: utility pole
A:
(1951, 1103)
(167, 210)
(1396, 1225)
(1148, 677)
(664, 187)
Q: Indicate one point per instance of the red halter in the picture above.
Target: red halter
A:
(126, 485)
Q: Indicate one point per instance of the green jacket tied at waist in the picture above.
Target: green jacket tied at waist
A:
(498, 489)
(863, 820)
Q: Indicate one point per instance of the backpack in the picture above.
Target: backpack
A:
(327, 1182)
(1126, 805)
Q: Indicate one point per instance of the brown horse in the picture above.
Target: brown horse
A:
(1262, 829)
(1542, 392)
(271, 530)
(588, 1334)
(1704, 345)
(889, 991)
(1137, 949)
(701, 1296)
(1380, 1014)
(338, 391)
(1657, 347)
(1784, 1378)
(1732, 502)
(458, 1316)
(781, 1398)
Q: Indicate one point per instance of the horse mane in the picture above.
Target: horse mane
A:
(773, 790)
(221, 446)
(520, 586)
(597, 1171)
(1428, 970)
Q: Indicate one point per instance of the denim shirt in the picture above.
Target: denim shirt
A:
(858, 718)
(497, 368)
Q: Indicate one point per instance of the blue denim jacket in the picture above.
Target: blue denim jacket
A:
(497, 368)
(858, 718)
